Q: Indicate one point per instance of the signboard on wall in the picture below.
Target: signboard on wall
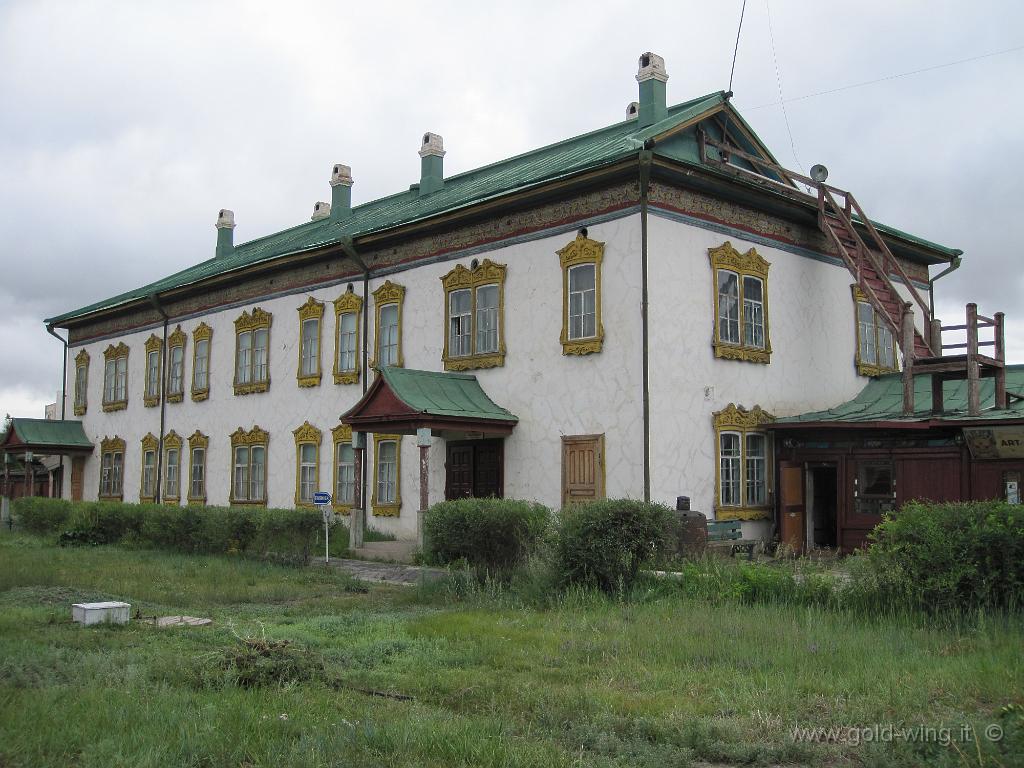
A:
(995, 442)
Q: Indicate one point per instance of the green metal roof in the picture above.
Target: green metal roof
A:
(42, 433)
(565, 158)
(882, 400)
(443, 394)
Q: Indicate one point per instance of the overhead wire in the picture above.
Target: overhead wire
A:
(736, 48)
(778, 80)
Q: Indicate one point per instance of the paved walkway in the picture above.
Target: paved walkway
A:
(385, 573)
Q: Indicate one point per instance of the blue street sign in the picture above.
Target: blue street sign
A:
(321, 497)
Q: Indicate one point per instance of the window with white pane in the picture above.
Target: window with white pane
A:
(742, 475)
(310, 319)
(111, 468)
(740, 305)
(115, 377)
(249, 466)
(582, 330)
(171, 489)
(307, 463)
(347, 313)
(344, 469)
(388, 300)
(474, 305)
(202, 338)
(176, 366)
(81, 382)
(154, 348)
(876, 345)
(149, 448)
(197, 445)
(252, 350)
(387, 498)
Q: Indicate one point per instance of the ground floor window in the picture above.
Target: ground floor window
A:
(112, 468)
(197, 445)
(149, 447)
(387, 459)
(344, 469)
(742, 476)
(249, 466)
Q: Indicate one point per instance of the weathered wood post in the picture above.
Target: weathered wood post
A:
(357, 519)
(973, 390)
(1000, 319)
(907, 333)
(935, 340)
(423, 440)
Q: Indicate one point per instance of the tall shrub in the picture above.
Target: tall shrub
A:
(605, 543)
(492, 535)
(36, 514)
(957, 556)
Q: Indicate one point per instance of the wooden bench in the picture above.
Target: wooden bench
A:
(730, 530)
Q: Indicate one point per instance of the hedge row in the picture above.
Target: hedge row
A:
(286, 535)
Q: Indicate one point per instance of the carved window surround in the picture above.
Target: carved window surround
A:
(382, 508)
(112, 450)
(150, 445)
(172, 442)
(484, 274)
(201, 390)
(115, 378)
(750, 264)
(739, 421)
(307, 434)
(176, 341)
(253, 322)
(201, 441)
(386, 295)
(151, 390)
(347, 304)
(883, 337)
(580, 251)
(254, 438)
(81, 383)
(311, 310)
(342, 436)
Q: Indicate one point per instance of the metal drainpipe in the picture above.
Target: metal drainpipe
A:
(163, 401)
(348, 248)
(645, 177)
(63, 398)
(954, 265)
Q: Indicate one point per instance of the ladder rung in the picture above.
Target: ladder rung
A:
(954, 327)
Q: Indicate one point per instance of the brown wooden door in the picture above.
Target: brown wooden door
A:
(475, 469)
(792, 505)
(77, 473)
(459, 471)
(487, 469)
(582, 468)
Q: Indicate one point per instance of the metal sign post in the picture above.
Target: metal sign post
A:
(323, 500)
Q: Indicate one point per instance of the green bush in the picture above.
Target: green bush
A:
(956, 556)
(605, 543)
(491, 535)
(36, 514)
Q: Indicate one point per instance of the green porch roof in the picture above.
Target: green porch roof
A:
(444, 394)
(555, 161)
(882, 401)
(39, 434)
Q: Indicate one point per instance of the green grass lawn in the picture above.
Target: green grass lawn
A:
(418, 677)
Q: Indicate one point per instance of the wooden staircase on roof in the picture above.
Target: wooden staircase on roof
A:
(873, 265)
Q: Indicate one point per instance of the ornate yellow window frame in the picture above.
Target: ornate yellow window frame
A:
(256, 320)
(199, 440)
(486, 272)
(347, 304)
(153, 345)
(253, 438)
(113, 354)
(582, 250)
(149, 445)
(307, 434)
(394, 508)
(176, 340)
(203, 332)
(865, 368)
(742, 421)
(749, 264)
(389, 293)
(112, 445)
(173, 441)
(341, 435)
(81, 383)
(311, 310)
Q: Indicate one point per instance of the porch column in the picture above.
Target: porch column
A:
(357, 517)
(423, 440)
(5, 510)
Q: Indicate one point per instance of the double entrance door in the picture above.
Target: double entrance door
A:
(474, 468)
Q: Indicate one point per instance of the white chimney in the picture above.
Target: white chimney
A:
(321, 210)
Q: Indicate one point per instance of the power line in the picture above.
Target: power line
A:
(782, 102)
(778, 80)
(736, 48)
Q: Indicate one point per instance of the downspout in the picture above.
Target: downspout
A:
(63, 397)
(163, 400)
(349, 249)
(954, 265)
(645, 177)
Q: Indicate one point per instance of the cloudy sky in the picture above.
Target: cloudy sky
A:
(124, 126)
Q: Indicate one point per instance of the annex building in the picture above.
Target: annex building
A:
(648, 310)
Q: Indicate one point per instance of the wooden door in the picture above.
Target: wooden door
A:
(582, 468)
(792, 505)
(488, 458)
(459, 471)
(77, 472)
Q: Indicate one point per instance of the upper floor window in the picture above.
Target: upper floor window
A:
(344, 469)
(176, 366)
(582, 330)
(876, 346)
(252, 352)
(149, 447)
(197, 447)
(249, 464)
(310, 318)
(81, 382)
(741, 304)
(307, 463)
(202, 337)
(387, 337)
(112, 468)
(387, 464)
(172, 467)
(346, 341)
(115, 377)
(475, 303)
(742, 473)
(151, 397)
